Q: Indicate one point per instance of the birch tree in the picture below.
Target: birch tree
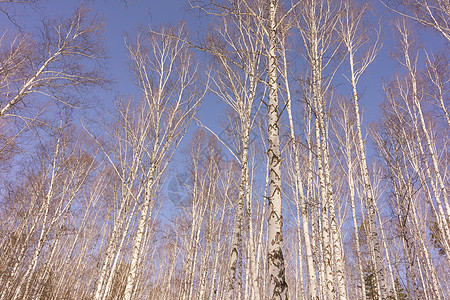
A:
(166, 74)
(317, 23)
(437, 182)
(205, 217)
(266, 31)
(437, 74)
(53, 190)
(277, 284)
(237, 49)
(433, 14)
(353, 36)
(345, 121)
(299, 193)
(402, 145)
(66, 57)
(56, 65)
(143, 140)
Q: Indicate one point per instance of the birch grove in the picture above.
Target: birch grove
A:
(261, 149)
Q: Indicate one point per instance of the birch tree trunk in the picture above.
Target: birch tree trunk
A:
(236, 46)
(317, 26)
(27, 278)
(347, 142)
(411, 68)
(158, 59)
(403, 189)
(301, 205)
(352, 41)
(278, 288)
(436, 69)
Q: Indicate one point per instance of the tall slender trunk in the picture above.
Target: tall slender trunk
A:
(137, 243)
(441, 219)
(413, 77)
(301, 205)
(336, 239)
(330, 233)
(259, 246)
(28, 276)
(435, 286)
(251, 241)
(403, 219)
(213, 287)
(237, 230)
(116, 255)
(326, 235)
(74, 242)
(351, 187)
(278, 288)
(422, 278)
(368, 192)
(386, 250)
(107, 268)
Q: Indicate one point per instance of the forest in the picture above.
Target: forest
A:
(291, 193)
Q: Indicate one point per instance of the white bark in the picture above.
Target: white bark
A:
(137, 243)
(352, 43)
(386, 250)
(347, 144)
(319, 21)
(44, 230)
(163, 118)
(436, 74)
(406, 44)
(299, 192)
(277, 283)
(73, 39)
(435, 286)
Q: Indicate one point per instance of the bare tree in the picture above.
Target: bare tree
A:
(143, 139)
(53, 189)
(433, 14)
(299, 193)
(166, 74)
(8, 7)
(65, 58)
(437, 74)
(353, 36)
(405, 143)
(263, 33)
(416, 111)
(317, 23)
(277, 284)
(236, 46)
